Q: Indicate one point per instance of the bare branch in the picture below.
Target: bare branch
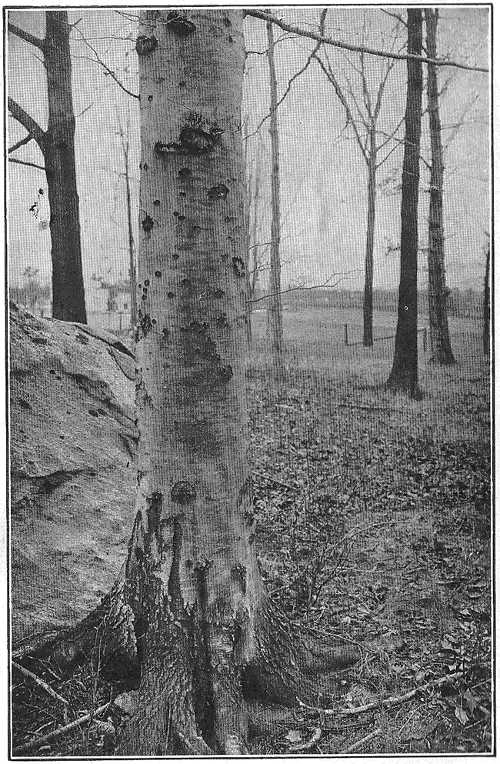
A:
(349, 118)
(27, 164)
(395, 16)
(27, 122)
(22, 142)
(98, 60)
(325, 285)
(27, 37)
(264, 16)
(288, 87)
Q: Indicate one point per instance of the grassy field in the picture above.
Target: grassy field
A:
(379, 528)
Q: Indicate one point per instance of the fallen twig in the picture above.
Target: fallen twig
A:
(274, 480)
(36, 742)
(384, 702)
(367, 408)
(40, 683)
(309, 744)
(360, 743)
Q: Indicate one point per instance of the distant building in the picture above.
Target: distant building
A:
(103, 296)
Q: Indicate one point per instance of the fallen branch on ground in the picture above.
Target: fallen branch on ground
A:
(36, 742)
(384, 702)
(40, 683)
(274, 480)
(309, 744)
(360, 743)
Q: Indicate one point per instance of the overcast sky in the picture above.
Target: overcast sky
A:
(323, 175)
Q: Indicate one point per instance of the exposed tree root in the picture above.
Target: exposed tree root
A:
(191, 689)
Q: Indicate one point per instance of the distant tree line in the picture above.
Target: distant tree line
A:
(460, 303)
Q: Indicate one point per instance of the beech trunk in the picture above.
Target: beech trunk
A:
(274, 310)
(404, 373)
(441, 351)
(58, 147)
(188, 620)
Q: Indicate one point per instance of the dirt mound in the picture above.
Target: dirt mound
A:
(73, 442)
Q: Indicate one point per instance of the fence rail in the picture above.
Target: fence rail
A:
(422, 331)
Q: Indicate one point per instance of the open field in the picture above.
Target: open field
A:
(373, 528)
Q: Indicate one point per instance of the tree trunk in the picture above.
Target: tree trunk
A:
(253, 232)
(486, 305)
(189, 612)
(404, 373)
(131, 248)
(438, 315)
(370, 232)
(68, 295)
(274, 310)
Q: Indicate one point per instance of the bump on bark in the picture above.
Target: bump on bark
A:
(147, 225)
(219, 191)
(180, 24)
(238, 266)
(145, 45)
(183, 493)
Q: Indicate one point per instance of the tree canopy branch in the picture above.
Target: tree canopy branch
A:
(27, 164)
(22, 142)
(26, 36)
(27, 122)
(258, 14)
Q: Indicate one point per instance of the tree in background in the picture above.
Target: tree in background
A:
(404, 373)
(486, 302)
(438, 293)
(57, 145)
(362, 109)
(274, 307)
(31, 294)
(125, 144)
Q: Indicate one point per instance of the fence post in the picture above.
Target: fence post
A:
(424, 340)
(346, 336)
(120, 314)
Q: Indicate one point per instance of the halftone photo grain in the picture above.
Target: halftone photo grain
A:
(248, 357)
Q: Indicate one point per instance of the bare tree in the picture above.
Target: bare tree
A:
(486, 303)
(438, 293)
(362, 110)
(125, 144)
(404, 373)
(57, 145)
(274, 307)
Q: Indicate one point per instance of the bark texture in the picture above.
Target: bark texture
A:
(274, 310)
(189, 619)
(441, 351)
(404, 373)
(68, 295)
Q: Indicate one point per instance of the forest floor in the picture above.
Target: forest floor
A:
(374, 527)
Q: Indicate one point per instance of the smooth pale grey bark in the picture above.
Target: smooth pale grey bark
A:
(274, 308)
(438, 293)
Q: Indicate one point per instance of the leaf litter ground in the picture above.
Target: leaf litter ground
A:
(374, 528)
